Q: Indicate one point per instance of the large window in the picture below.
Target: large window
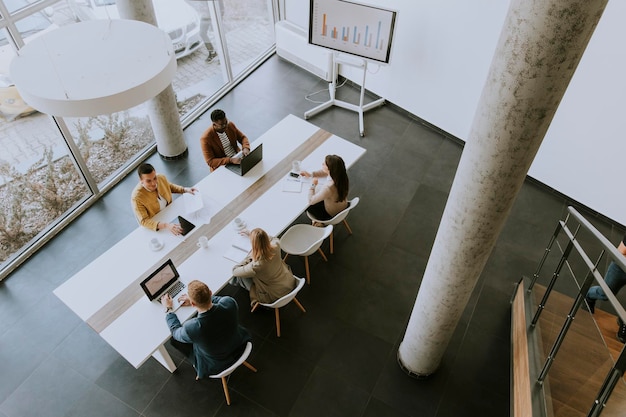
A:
(234, 34)
(50, 166)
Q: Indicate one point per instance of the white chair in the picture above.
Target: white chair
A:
(226, 372)
(283, 301)
(304, 240)
(339, 218)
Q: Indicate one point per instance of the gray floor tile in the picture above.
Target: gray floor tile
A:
(327, 394)
(51, 391)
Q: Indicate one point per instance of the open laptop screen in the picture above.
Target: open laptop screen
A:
(247, 162)
(160, 280)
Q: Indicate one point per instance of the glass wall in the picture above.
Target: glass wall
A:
(108, 142)
(234, 33)
(50, 166)
(39, 181)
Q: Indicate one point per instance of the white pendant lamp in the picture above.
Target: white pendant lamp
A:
(94, 67)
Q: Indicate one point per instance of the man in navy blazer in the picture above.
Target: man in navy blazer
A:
(213, 340)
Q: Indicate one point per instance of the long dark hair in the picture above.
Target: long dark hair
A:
(337, 169)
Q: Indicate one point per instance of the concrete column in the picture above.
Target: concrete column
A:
(162, 109)
(540, 46)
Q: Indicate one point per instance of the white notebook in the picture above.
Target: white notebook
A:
(239, 248)
(292, 185)
(242, 242)
(234, 254)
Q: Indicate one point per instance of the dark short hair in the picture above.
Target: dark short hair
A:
(144, 168)
(217, 114)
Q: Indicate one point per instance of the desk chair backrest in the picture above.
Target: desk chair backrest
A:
(226, 372)
(283, 301)
(304, 240)
(339, 218)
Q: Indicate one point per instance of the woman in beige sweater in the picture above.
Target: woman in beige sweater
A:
(263, 272)
(332, 197)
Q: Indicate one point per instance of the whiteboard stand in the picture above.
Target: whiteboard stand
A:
(332, 87)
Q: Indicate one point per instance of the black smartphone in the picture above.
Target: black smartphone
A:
(293, 174)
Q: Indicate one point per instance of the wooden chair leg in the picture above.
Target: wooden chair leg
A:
(323, 254)
(331, 243)
(254, 307)
(345, 223)
(250, 367)
(295, 300)
(277, 322)
(285, 258)
(306, 267)
(225, 385)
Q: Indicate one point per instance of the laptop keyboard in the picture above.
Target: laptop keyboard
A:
(176, 289)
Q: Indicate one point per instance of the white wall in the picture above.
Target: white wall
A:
(441, 55)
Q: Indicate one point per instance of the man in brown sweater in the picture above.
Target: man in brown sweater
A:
(220, 142)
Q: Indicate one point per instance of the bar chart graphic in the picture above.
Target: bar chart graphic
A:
(353, 28)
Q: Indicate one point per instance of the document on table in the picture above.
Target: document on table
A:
(292, 185)
(235, 254)
(242, 242)
(196, 209)
(239, 248)
(193, 202)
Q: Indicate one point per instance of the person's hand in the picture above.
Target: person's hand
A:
(184, 300)
(176, 229)
(191, 190)
(245, 151)
(235, 161)
(315, 181)
(167, 301)
(244, 232)
(305, 174)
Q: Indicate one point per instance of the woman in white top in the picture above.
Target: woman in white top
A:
(332, 197)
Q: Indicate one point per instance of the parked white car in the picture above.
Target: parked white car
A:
(178, 19)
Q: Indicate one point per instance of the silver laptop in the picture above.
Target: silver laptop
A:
(247, 162)
(164, 280)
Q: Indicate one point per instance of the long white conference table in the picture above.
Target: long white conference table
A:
(106, 293)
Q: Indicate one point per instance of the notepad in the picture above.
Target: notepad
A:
(292, 185)
(235, 254)
(239, 248)
(242, 242)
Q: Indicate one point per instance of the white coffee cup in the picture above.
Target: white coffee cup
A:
(203, 242)
(155, 243)
(239, 224)
(296, 167)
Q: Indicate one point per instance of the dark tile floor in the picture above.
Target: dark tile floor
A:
(338, 359)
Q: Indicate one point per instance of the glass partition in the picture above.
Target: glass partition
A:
(108, 142)
(39, 183)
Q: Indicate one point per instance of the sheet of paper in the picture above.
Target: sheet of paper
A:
(193, 202)
(292, 185)
(242, 242)
(234, 254)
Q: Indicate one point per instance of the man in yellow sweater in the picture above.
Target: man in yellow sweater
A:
(153, 194)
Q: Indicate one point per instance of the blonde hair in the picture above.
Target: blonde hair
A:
(199, 293)
(261, 245)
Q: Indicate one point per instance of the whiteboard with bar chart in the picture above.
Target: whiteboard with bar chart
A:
(353, 28)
